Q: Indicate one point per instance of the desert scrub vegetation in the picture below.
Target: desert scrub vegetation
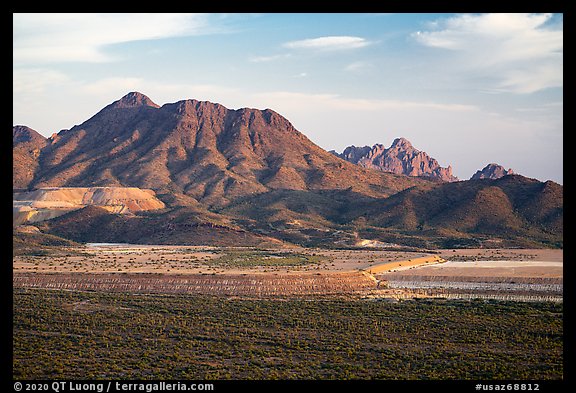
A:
(262, 258)
(79, 335)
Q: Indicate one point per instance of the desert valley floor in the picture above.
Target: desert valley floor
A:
(534, 274)
(181, 312)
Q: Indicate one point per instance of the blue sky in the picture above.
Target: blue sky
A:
(469, 89)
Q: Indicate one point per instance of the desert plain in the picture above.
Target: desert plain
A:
(534, 274)
(141, 311)
(134, 258)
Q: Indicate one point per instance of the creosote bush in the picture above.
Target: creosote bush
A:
(69, 335)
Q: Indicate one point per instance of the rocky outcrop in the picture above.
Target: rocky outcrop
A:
(47, 203)
(400, 158)
(491, 171)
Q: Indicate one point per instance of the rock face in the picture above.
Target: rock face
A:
(491, 171)
(400, 158)
(26, 147)
(200, 149)
(47, 203)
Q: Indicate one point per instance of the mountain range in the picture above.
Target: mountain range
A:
(247, 175)
(400, 158)
(403, 159)
(199, 149)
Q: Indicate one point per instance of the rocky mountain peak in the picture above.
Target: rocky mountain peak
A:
(134, 99)
(400, 158)
(492, 171)
(22, 134)
(401, 143)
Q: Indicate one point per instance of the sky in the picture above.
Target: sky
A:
(468, 89)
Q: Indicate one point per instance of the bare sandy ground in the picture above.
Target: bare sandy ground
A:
(404, 264)
(492, 269)
(494, 263)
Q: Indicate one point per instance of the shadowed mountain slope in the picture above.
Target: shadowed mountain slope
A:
(511, 208)
(26, 147)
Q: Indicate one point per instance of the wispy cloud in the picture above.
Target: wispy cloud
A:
(329, 43)
(36, 80)
(336, 102)
(265, 59)
(520, 50)
(47, 38)
(159, 92)
(358, 66)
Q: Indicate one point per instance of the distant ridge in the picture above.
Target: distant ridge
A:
(400, 158)
(491, 171)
